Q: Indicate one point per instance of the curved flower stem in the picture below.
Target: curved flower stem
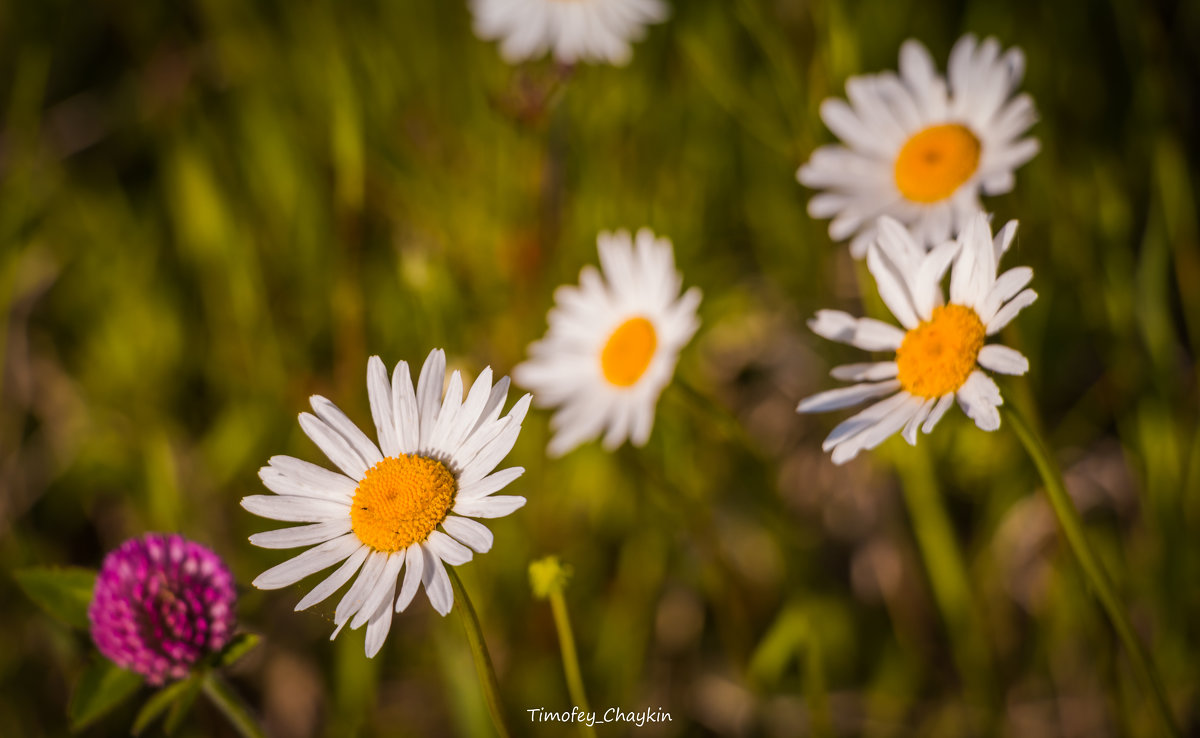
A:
(231, 705)
(483, 661)
(1072, 528)
(566, 640)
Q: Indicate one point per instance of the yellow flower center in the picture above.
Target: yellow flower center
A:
(937, 356)
(400, 501)
(936, 161)
(628, 352)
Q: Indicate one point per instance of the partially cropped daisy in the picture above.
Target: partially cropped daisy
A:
(941, 353)
(573, 30)
(919, 151)
(613, 343)
(405, 503)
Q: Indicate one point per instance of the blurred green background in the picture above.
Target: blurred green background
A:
(211, 210)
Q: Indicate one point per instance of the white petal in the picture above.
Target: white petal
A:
(927, 291)
(1009, 311)
(337, 420)
(429, 393)
(447, 549)
(296, 509)
(846, 396)
(362, 588)
(379, 390)
(334, 581)
(496, 506)
(310, 562)
(879, 432)
(892, 287)
(493, 482)
(333, 445)
(914, 423)
(471, 532)
(1003, 359)
(380, 623)
(943, 404)
(414, 561)
(404, 409)
(862, 420)
(302, 535)
(871, 371)
(437, 583)
(875, 335)
(288, 476)
(1006, 287)
(383, 591)
(979, 397)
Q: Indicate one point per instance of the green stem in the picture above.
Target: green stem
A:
(1072, 528)
(483, 661)
(566, 641)
(947, 573)
(231, 706)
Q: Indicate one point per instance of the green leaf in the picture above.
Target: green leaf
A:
(241, 645)
(64, 592)
(183, 705)
(102, 687)
(161, 700)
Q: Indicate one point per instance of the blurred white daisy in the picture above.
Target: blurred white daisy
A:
(405, 503)
(574, 30)
(918, 151)
(940, 353)
(613, 343)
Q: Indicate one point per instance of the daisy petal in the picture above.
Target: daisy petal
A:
(1009, 311)
(846, 396)
(334, 581)
(333, 445)
(414, 560)
(470, 532)
(296, 509)
(302, 535)
(979, 397)
(379, 390)
(310, 562)
(437, 583)
(1003, 359)
(447, 549)
(496, 506)
(380, 623)
(337, 420)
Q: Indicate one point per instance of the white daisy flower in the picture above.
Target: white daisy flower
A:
(406, 503)
(941, 351)
(613, 343)
(918, 151)
(574, 30)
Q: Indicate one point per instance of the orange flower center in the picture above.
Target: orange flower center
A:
(400, 501)
(628, 352)
(937, 356)
(936, 161)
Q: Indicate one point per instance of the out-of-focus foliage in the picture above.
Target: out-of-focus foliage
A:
(211, 210)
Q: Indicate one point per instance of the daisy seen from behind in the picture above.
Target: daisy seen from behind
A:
(940, 352)
(404, 504)
(573, 30)
(612, 344)
(920, 148)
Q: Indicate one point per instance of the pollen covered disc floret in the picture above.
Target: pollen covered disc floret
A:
(400, 501)
(941, 352)
(613, 343)
(921, 148)
(572, 30)
(398, 511)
